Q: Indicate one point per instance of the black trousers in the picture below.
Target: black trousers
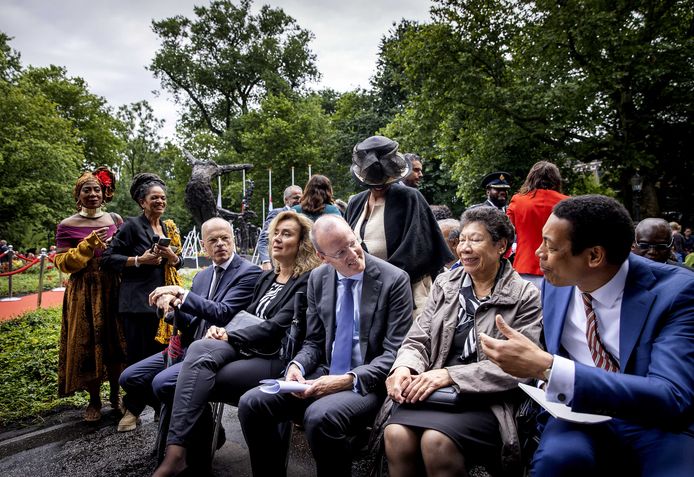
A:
(140, 330)
(328, 422)
(212, 370)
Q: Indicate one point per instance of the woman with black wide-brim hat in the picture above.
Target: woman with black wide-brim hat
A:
(393, 221)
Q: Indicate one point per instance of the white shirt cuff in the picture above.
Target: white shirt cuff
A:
(183, 298)
(560, 387)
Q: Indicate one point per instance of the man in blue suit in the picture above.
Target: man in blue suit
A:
(216, 295)
(619, 331)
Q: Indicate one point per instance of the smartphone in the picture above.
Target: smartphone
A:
(164, 241)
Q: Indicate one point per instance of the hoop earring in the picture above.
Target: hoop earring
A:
(79, 205)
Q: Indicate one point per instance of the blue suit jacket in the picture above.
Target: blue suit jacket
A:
(655, 385)
(233, 294)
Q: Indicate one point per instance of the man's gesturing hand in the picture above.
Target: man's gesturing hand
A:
(516, 355)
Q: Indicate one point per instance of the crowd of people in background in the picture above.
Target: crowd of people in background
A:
(380, 306)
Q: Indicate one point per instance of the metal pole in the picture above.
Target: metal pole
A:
(309, 171)
(243, 177)
(10, 253)
(293, 183)
(263, 209)
(269, 189)
(41, 269)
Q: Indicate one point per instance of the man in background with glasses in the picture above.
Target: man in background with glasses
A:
(654, 241)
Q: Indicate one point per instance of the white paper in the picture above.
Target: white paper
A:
(559, 410)
(275, 386)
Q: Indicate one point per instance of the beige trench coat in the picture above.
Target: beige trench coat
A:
(430, 338)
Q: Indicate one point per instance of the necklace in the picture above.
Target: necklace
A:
(90, 213)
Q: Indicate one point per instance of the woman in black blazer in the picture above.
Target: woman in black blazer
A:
(230, 364)
(142, 264)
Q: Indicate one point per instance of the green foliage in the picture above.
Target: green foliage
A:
(588, 184)
(501, 84)
(289, 131)
(51, 128)
(40, 157)
(222, 63)
(89, 116)
(29, 367)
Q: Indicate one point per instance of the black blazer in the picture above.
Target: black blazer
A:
(266, 338)
(414, 242)
(133, 238)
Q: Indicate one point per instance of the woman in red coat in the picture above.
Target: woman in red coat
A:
(529, 210)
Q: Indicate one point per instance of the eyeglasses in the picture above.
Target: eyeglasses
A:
(655, 246)
(340, 254)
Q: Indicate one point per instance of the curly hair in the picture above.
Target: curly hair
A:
(597, 220)
(142, 183)
(306, 258)
(542, 175)
(317, 194)
(494, 220)
(103, 176)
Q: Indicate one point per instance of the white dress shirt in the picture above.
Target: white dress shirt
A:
(607, 304)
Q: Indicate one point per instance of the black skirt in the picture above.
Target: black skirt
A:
(473, 428)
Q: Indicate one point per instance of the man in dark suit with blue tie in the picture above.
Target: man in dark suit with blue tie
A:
(619, 331)
(359, 310)
(216, 295)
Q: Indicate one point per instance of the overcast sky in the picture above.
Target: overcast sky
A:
(109, 42)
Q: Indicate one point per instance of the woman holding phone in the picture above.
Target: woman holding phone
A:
(92, 347)
(141, 251)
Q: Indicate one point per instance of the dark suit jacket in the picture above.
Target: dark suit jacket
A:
(385, 315)
(133, 238)
(655, 384)
(265, 338)
(233, 294)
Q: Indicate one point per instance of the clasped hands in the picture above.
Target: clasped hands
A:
(328, 384)
(405, 387)
(167, 297)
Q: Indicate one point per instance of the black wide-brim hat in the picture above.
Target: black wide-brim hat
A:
(377, 162)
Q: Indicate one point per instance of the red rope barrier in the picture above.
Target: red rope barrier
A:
(20, 270)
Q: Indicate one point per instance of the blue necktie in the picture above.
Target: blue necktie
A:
(341, 361)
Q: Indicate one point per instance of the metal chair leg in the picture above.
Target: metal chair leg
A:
(217, 413)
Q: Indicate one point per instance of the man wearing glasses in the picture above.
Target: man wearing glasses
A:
(359, 310)
(654, 241)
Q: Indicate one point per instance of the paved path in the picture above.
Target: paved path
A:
(12, 309)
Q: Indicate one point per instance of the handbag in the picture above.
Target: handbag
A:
(447, 397)
(242, 320)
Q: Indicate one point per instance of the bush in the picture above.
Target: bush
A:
(29, 367)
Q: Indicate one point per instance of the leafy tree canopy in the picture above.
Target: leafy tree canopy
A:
(222, 63)
(504, 83)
